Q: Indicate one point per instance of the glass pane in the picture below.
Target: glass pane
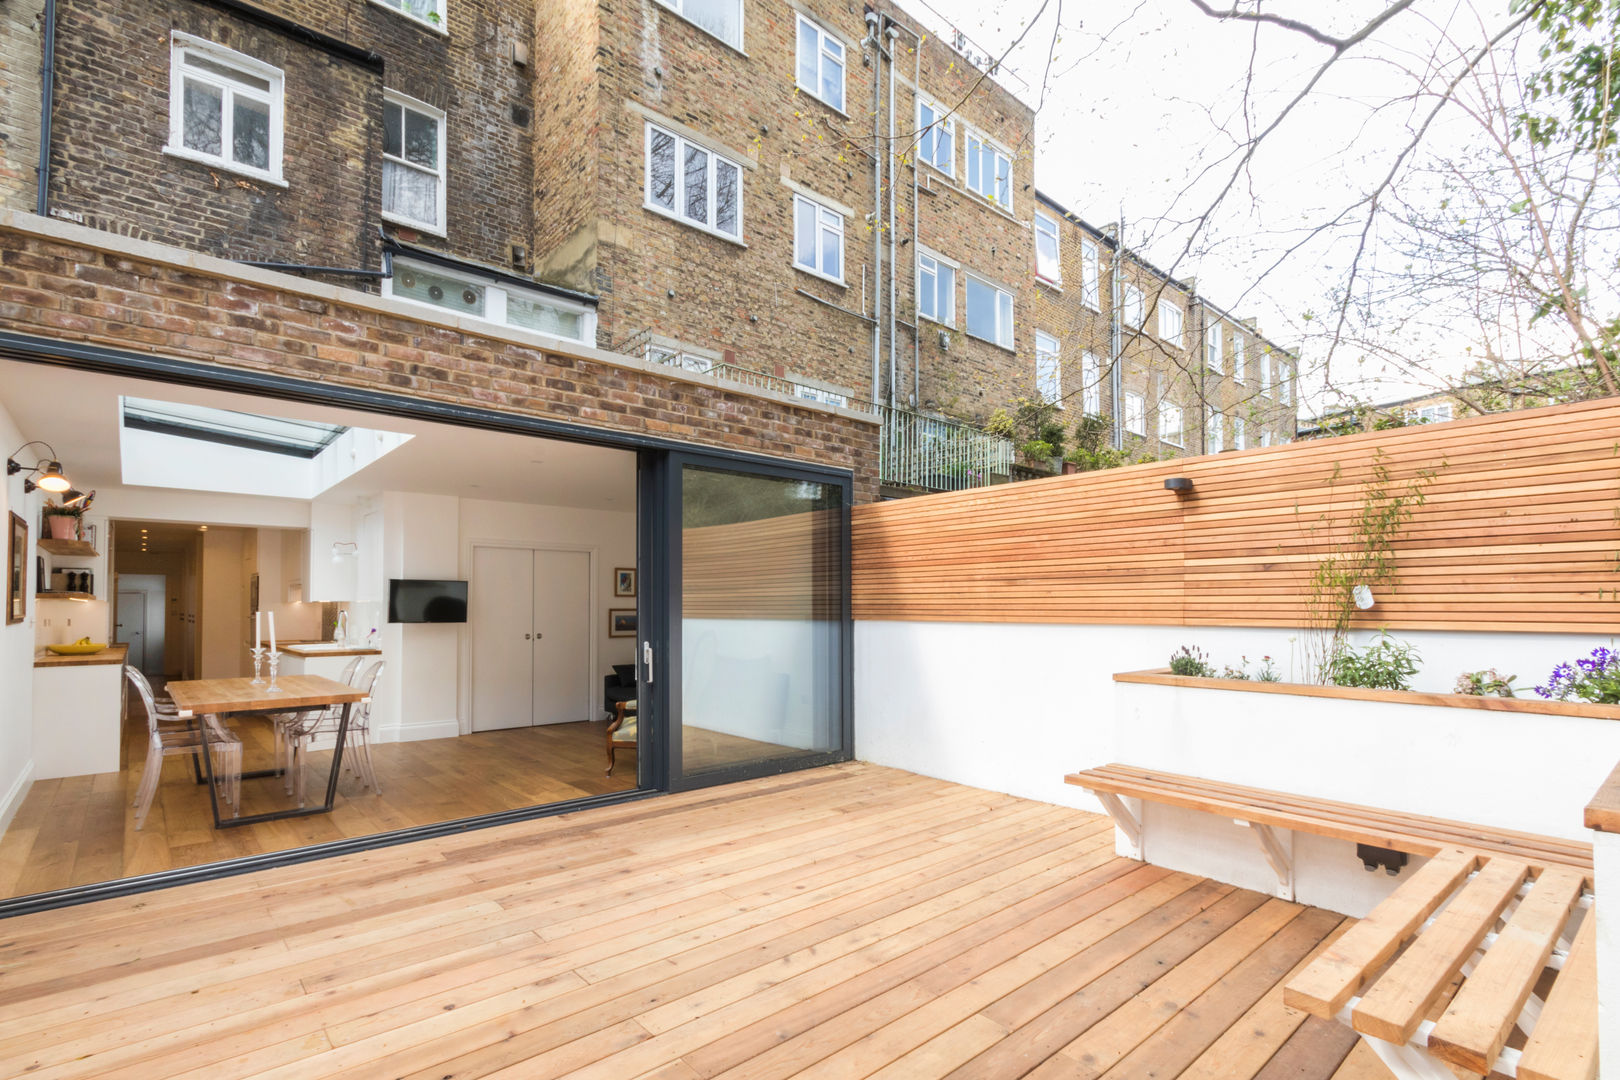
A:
(973, 156)
(421, 140)
(832, 253)
(203, 110)
(832, 82)
(925, 290)
(925, 140)
(661, 170)
(250, 132)
(1003, 180)
(804, 233)
(441, 291)
(726, 178)
(761, 619)
(545, 318)
(981, 309)
(1005, 328)
(1046, 254)
(947, 294)
(393, 130)
(809, 55)
(944, 154)
(697, 184)
(410, 193)
(224, 71)
(722, 18)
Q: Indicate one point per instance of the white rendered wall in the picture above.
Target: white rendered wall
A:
(17, 645)
(768, 679)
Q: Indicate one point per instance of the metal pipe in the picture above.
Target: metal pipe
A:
(894, 276)
(873, 22)
(1116, 343)
(47, 96)
(916, 214)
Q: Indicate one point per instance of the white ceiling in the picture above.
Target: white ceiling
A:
(77, 413)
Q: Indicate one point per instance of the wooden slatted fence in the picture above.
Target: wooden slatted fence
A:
(1520, 531)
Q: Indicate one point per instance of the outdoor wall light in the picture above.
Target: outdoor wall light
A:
(50, 476)
(1181, 485)
(1363, 597)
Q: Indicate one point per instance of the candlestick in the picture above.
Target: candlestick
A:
(275, 662)
(272, 621)
(258, 661)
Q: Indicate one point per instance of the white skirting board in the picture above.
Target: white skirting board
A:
(12, 800)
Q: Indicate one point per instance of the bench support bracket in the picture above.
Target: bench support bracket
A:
(1128, 823)
(1278, 853)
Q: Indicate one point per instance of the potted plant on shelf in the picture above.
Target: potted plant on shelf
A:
(62, 522)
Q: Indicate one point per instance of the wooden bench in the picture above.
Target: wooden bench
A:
(1492, 917)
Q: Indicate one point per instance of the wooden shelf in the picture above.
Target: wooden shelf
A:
(80, 548)
(51, 594)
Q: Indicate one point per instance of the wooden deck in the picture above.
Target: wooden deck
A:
(845, 922)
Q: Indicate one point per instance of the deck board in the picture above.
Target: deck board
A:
(847, 922)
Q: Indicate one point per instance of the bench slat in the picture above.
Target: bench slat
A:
(1348, 821)
(1564, 1044)
(1398, 1001)
(1339, 973)
(1476, 1025)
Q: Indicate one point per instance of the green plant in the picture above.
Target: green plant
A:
(1386, 664)
(1594, 678)
(1190, 660)
(50, 509)
(1360, 551)
(1032, 426)
(1267, 673)
(1484, 683)
(1230, 672)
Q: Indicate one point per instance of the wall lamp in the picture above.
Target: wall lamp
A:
(1181, 485)
(50, 476)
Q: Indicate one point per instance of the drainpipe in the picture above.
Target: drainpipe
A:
(894, 277)
(916, 215)
(873, 35)
(47, 93)
(1116, 342)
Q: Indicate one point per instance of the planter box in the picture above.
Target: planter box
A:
(1529, 765)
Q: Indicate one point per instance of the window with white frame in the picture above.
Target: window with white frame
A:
(818, 239)
(821, 64)
(225, 108)
(1265, 438)
(1240, 434)
(1265, 373)
(1170, 321)
(692, 183)
(1090, 276)
(1135, 413)
(1048, 265)
(1131, 306)
(1212, 349)
(1431, 414)
(413, 163)
(491, 300)
(816, 393)
(1239, 362)
(665, 354)
(1091, 388)
(1285, 383)
(989, 311)
(1214, 432)
(936, 288)
(1048, 369)
(428, 11)
(722, 18)
(989, 171)
(936, 139)
(1170, 423)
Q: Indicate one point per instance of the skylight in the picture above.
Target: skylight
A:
(273, 434)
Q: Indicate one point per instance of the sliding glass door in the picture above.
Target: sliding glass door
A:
(757, 661)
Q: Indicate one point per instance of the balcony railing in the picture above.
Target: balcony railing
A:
(937, 454)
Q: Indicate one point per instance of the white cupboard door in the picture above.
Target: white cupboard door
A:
(501, 598)
(562, 646)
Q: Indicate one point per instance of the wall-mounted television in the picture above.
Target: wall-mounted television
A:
(412, 600)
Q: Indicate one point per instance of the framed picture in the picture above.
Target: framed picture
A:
(621, 622)
(17, 573)
(624, 581)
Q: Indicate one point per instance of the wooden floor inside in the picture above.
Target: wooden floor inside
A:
(845, 922)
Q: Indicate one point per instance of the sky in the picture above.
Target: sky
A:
(1142, 109)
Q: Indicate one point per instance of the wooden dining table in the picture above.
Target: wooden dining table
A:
(294, 693)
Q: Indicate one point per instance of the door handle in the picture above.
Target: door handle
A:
(647, 658)
(528, 637)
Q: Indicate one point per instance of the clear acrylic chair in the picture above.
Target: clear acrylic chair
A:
(357, 741)
(168, 736)
(283, 723)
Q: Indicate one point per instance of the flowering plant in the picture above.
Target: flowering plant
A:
(1594, 678)
(1484, 683)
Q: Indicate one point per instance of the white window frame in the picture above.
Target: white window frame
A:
(1173, 335)
(975, 139)
(947, 127)
(1135, 413)
(1431, 414)
(1214, 432)
(1265, 374)
(435, 21)
(495, 296)
(1285, 380)
(1005, 337)
(1049, 384)
(1132, 300)
(1047, 225)
(1091, 384)
(1168, 410)
(1240, 433)
(827, 220)
(660, 353)
(391, 97)
(678, 7)
(949, 317)
(823, 56)
(1240, 362)
(1090, 275)
(179, 45)
(1213, 357)
(678, 213)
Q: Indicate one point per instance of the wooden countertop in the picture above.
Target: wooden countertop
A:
(112, 654)
(304, 649)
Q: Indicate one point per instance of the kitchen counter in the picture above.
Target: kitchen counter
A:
(320, 649)
(112, 654)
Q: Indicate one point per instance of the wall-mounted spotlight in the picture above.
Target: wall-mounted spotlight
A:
(1181, 485)
(49, 470)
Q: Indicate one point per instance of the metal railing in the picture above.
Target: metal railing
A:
(937, 454)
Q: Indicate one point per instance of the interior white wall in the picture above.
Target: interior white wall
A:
(420, 540)
(1013, 707)
(766, 679)
(17, 646)
(169, 504)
